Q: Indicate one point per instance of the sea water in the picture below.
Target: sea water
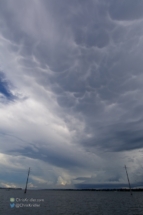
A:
(70, 202)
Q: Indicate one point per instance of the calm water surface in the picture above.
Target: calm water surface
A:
(72, 203)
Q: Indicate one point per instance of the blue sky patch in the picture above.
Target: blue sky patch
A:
(4, 87)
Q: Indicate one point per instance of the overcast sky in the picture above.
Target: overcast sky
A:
(71, 92)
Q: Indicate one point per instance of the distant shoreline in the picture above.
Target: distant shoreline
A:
(118, 190)
(10, 188)
(107, 190)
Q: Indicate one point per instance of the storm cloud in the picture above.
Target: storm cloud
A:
(71, 91)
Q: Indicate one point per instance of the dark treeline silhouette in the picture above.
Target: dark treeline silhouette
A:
(121, 189)
(10, 188)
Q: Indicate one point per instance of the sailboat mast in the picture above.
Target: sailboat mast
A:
(128, 180)
(27, 181)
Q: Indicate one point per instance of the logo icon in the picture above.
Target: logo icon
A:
(12, 205)
(12, 199)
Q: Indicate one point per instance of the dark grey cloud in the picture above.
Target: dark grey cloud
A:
(126, 9)
(81, 178)
(95, 37)
(78, 64)
(106, 186)
(116, 137)
(54, 157)
(16, 177)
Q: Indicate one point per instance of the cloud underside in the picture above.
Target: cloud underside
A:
(71, 86)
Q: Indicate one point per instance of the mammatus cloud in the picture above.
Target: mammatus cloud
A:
(126, 10)
(70, 92)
